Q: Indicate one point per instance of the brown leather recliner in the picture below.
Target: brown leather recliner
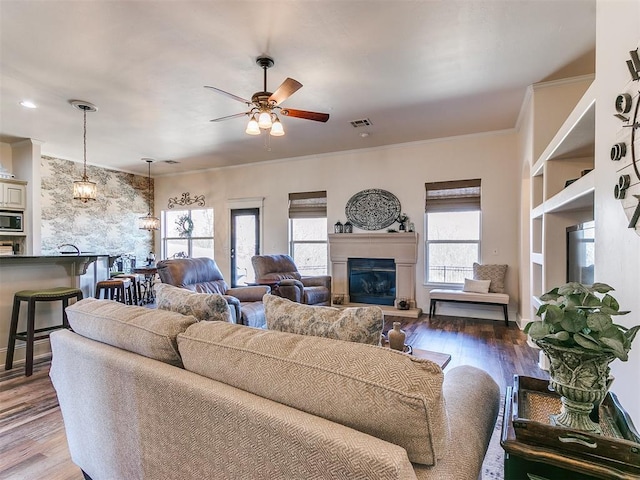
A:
(202, 275)
(281, 271)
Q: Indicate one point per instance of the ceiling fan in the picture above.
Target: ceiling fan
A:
(264, 106)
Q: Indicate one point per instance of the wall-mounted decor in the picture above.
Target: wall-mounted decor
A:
(626, 189)
(373, 209)
(186, 200)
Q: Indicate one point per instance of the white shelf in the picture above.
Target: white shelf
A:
(537, 258)
(577, 196)
(576, 136)
(537, 212)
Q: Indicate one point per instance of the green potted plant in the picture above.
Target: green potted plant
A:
(577, 333)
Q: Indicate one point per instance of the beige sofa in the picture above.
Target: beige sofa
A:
(153, 394)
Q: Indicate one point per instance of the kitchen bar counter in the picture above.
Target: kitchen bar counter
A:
(27, 272)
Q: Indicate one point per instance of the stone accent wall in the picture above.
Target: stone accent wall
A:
(108, 225)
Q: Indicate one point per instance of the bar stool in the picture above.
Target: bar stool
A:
(30, 335)
(118, 289)
(136, 287)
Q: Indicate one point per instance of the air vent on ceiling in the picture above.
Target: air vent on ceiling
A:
(170, 162)
(364, 122)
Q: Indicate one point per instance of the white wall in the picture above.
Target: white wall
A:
(617, 247)
(400, 169)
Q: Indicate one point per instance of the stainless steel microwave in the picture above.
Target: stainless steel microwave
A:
(11, 222)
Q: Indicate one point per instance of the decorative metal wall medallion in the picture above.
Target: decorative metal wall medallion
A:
(372, 209)
(186, 200)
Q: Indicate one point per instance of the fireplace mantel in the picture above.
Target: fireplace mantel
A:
(401, 247)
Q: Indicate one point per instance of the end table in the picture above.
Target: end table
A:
(535, 449)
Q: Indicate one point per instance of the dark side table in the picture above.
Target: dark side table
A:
(536, 450)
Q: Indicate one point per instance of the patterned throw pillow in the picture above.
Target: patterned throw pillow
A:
(203, 306)
(495, 273)
(357, 324)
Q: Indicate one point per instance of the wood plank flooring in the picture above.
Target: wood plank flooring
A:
(33, 444)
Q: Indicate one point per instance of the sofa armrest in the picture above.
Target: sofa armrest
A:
(473, 401)
(249, 293)
(317, 281)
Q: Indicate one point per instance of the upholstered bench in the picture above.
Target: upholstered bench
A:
(442, 295)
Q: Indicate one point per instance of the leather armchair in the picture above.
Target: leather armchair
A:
(202, 275)
(281, 271)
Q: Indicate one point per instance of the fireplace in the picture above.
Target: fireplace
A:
(400, 248)
(372, 280)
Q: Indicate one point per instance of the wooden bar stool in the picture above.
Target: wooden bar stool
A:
(118, 289)
(136, 287)
(32, 333)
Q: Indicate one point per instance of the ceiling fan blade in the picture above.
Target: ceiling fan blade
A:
(230, 95)
(228, 117)
(318, 117)
(285, 90)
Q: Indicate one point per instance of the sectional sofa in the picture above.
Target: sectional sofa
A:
(155, 394)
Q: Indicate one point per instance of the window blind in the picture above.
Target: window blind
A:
(308, 204)
(453, 196)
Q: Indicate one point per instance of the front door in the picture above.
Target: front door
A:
(245, 243)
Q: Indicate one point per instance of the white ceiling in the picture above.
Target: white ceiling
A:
(417, 69)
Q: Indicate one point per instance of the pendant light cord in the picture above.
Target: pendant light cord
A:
(84, 176)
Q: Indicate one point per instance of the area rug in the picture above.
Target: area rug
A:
(493, 465)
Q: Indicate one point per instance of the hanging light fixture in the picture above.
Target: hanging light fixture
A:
(84, 190)
(149, 222)
(252, 127)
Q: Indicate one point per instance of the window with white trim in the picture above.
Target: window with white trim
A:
(308, 240)
(187, 233)
(452, 230)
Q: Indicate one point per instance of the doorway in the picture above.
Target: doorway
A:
(245, 243)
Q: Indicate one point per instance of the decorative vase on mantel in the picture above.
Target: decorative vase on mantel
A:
(582, 380)
(396, 337)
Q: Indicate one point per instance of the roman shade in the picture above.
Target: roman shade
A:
(308, 204)
(453, 196)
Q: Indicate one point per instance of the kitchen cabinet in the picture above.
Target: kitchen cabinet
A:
(13, 195)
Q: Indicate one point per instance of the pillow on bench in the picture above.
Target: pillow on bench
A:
(388, 394)
(476, 286)
(495, 273)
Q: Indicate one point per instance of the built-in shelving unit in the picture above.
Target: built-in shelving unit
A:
(562, 194)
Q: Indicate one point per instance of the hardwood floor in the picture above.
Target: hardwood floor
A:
(33, 444)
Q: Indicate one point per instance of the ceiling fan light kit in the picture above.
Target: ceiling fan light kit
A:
(264, 105)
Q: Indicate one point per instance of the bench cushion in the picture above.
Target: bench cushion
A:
(460, 296)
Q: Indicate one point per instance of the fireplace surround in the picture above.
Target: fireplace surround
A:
(402, 248)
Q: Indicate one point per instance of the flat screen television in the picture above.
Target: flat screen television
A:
(580, 253)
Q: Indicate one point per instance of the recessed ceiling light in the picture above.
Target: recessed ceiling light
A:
(28, 104)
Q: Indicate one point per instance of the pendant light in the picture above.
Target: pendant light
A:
(149, 222)
(84, 190)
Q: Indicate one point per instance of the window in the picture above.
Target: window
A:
(452, 224)
(308, 245)
(187, 233)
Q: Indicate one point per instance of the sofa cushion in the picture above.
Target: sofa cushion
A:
(390, 395)
(141, 330)
(203, 306)
(354, 324)
(495, 273)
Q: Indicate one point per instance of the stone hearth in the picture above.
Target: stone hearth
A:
(401, 247)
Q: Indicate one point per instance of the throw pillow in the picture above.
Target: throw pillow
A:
(476, 286)
(354, 324)
(145, 331)
(203, 306)
(495, 273)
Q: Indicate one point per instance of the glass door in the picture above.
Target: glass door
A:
(245, 243)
